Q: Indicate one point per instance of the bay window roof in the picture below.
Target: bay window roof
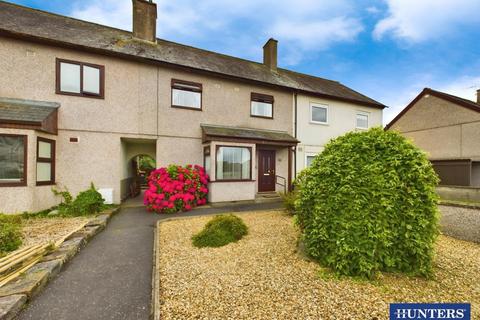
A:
(29, 114)
(258, 136)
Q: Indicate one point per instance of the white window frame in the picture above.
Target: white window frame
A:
(363, 113)
(319, 105)
(309, 154)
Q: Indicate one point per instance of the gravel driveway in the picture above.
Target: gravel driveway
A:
(263, 277)
(460, 223)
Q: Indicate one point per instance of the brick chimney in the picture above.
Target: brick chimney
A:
(270, 54)
(478, 96)
(145, 20)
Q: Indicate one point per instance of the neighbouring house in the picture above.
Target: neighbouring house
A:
(447, 127)
(320, 119)
(79, 102)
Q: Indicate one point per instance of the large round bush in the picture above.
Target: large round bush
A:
(176, 188)
(368, 204)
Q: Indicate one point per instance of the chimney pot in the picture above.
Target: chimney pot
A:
(270, 54)
(478, 96)
(145, 20)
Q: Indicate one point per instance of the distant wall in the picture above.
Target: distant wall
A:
(459, 193)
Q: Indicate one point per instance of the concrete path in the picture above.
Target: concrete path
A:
(460, 223)
(111, 277)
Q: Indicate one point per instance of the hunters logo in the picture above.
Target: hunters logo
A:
(429, 311)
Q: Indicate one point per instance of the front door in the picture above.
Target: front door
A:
(266, 170)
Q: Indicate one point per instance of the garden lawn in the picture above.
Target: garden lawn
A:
(46, 230)
(263, 277)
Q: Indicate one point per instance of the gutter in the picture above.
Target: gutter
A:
(295, 136)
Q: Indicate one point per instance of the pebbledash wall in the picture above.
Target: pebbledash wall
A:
(19, 199)
(341, 118)
(444, 130)
(137, 106)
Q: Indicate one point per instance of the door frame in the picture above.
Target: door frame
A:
(260, 168)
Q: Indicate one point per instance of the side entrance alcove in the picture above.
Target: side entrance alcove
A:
(138, 158)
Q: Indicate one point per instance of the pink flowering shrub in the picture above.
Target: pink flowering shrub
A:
(176, 188)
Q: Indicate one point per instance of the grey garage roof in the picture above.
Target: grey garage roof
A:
(25, 111)
(35, 25)
(213, 132)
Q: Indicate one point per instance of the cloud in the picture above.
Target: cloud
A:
(108, 12)
(318, 34)
(416, 21)
(308, 25)
(373, 10)
(465, 87)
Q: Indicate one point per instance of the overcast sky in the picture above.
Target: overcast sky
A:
(386, 49)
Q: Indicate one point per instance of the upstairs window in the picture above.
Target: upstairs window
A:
(45, 161)
(186, 94)
(13, 160)
(361, 121)
(319, 113)
(261, 105)
(80, 79)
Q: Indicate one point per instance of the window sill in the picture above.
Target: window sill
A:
(13, 184)
(187, 108)
(262, 117)
(45, 183)
(82, 95)
(320, 123)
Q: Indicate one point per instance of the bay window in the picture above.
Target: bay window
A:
(261, 105)
(80, 79)
(206, 159)
(233, 163)
(45, 161)
(186, 94)
(13, 160)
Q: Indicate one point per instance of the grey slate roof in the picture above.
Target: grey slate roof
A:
(38, 25)
(18, 110)
(247, 133)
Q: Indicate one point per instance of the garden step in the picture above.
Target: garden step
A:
(101, 220)
(64, 254)
(28, 283)
(32, 280)
(10, 305)
(87, 232)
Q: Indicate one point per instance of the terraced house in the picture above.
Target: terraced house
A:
(79, 101)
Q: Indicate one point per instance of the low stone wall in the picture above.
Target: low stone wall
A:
(16, 293)
(469, 194)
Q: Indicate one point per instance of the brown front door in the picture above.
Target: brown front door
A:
(266, 170)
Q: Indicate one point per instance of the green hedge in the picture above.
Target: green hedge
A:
(368, 204)
(10, 233)
(87, 202)
(219, 231)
